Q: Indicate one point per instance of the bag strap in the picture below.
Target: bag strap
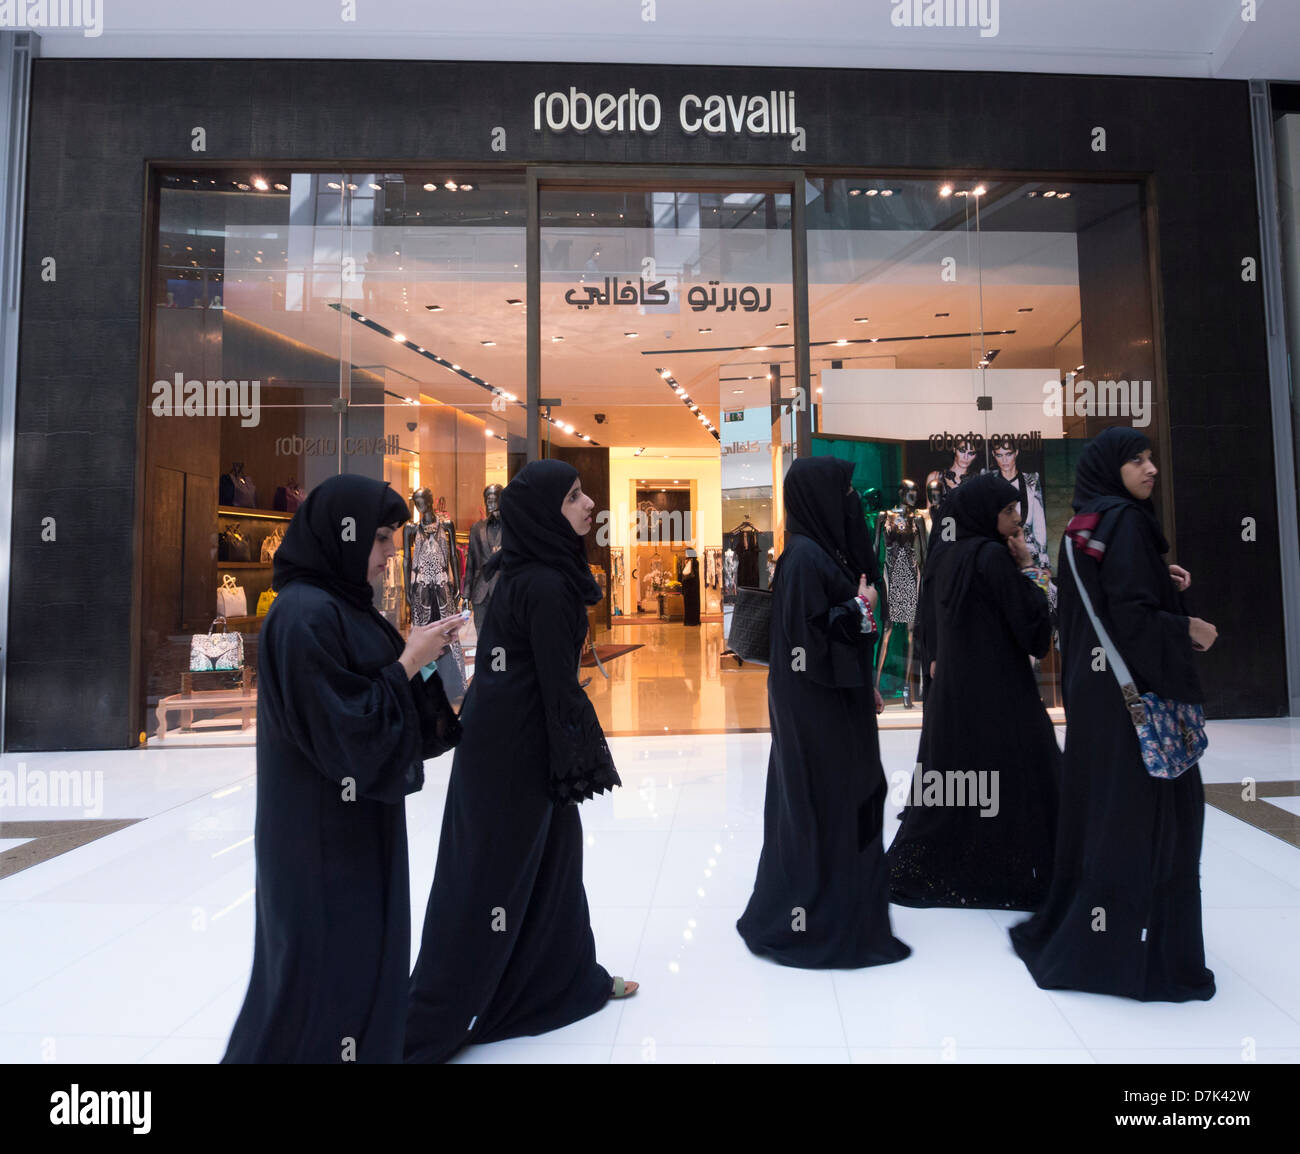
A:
(213, 627)
(1132, 699)
(229, 582)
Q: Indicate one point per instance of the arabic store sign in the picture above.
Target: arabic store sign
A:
(717, 114)
(638, 293)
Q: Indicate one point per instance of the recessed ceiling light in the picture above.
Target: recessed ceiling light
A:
(489, 344)
(456, 367)
(334, 184)
(242, 187)
(360, 318)
(759, 348)
(430, 187)
(783, 324)
(513, 301)
(399, 337)
(941, 314)
(860, 320)
(449, 185)
(855, 192)
(1062, 195)
(1028, 310)
(434, 308)
(873, 192)
(374, 186)
(467, 188)
(886, 192)
(629, 334)
(946, 190)
(260, 184)
(1051, 192)
(841, 341)
(706, 330)
(487, 432)
(737, 390)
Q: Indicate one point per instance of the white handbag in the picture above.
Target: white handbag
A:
(231, 601)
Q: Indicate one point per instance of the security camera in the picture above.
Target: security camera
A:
(600, 418)
(411, 426)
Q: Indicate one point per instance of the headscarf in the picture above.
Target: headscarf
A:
(1100, 496)
(328, 542)
(973, 508)
(818, 507)
(534, 530)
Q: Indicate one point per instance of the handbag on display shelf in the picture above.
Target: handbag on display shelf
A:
(219, 651)
(270, 544)
(1171, 734)
(232, 546)
(751, 626)
(264, 600)
(231, 600)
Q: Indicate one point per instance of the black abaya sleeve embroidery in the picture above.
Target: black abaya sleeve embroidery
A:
(580, 764)
(355, 728)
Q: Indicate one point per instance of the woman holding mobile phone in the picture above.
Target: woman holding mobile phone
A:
(507, 947)
(345, 721)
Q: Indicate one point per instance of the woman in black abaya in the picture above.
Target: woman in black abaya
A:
(1124, 912)
(978, 828)
(821, 895)
(344, 723)
(507, 947)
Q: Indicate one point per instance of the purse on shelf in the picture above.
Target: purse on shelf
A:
(270, 544)
(219, 651)
(231, 599)
(1171, 734)
(751, 626)
(264, 600)
(232, 546)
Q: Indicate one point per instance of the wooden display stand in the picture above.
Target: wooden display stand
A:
(187, 701)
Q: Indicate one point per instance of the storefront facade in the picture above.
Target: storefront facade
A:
(933, 188)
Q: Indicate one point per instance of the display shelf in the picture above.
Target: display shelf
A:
(252, 514)
(243, 564)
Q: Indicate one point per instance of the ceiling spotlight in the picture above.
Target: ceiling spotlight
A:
(979, 190)
(467, 188)
(737, 390)
(759, 348)
(375, 186)
(361, 318)
(1051, 192)
(1031, 194)
(434, 308)
(260, 184)
(281, 187)
(1062, 195)
(706, 330)
(449, 185)
(513, 301)
(946, 190)
(629, 334)
(873, 192)
(855, 192)
(334, 184)
(886, 192)
(665, 373)
(557, 338)
(242, 187)
(487, 344)
(430, 187)
(783, 324)
(841, 341)
(488, 433)
(400, 338)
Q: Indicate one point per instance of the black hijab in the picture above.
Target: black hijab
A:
(328, 542)
(818, 507)
(534, 531)
(973, 508)
(1099, 485)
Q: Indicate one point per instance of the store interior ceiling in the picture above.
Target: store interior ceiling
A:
(1224, 39)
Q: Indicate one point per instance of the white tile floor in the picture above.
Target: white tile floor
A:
(137, 946)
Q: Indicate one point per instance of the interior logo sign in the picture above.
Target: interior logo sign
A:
(981, 14)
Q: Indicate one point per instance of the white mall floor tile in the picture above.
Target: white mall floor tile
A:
(1265, 748)
(965, 1056)
(217, 1018)
(1260, 848)
(185, 1052)
(962, 987)
(702, 986)
(11, 842)
(620, 868)
(1236, 1056)
(703, 868)
(1236, 1012)
(1230, 881)
(1290, 804)
(653, 1054)
(1261, 943)
(74, 1049)
(532, 1052)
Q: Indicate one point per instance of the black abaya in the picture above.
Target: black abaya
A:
(1124, 912)
(984, 728)
(341, 738)
(507, 947)
(691, 592)
(821, 896)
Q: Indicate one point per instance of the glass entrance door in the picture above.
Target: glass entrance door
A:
(667, 377)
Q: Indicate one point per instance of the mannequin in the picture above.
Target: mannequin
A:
(429, 564)
(729, 568)
(448, 528)
(484, 541)
(902, 529)
(744, 544)
(236, 489)
(689, 576)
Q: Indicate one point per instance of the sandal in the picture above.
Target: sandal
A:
(624, 989)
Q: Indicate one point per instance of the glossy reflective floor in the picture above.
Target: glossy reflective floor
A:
(136, 946)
